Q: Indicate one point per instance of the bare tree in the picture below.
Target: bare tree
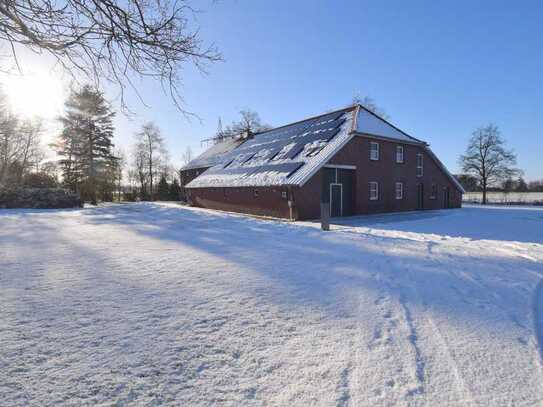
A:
(187, 156)
(487, 158)
(113, 40)
(20, 145)
(249, 123)
(150, 154)
(370, 104)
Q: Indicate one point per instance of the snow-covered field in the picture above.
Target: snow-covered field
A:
(149, 304)
(505, 197)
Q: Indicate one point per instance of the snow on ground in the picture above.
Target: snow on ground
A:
(152, 304)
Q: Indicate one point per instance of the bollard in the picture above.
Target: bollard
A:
(325, 216)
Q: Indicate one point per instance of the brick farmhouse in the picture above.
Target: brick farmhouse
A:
(351, 158)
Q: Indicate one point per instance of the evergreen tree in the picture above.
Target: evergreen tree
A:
(522, 186)
(163, 189)
(175, 190)
(85, 143)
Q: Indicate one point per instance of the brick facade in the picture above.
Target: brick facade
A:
(274, 201)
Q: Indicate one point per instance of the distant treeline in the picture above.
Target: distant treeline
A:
(471, 184)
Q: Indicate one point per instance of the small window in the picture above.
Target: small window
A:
(420, 165)
(399, 154)
(374, 151)
(399, 190)
(433, 192)
(255, 193)
(374, 191)
(284, 194)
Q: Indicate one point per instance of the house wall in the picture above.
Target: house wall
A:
(386, 172)
(185, 176)
(269, 201)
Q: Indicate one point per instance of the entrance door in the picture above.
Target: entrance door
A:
(420, 196)
(336, 200)
(338, 190)
(446, 198)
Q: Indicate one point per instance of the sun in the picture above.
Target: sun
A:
(35, 94)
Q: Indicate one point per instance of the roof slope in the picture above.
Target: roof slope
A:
(214, 154)
(371, 124)
(291, 154)
(286, 155)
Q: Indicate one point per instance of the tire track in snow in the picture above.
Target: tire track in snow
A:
(537, 304)
(413, 339)
(463, 388)
(405, 321)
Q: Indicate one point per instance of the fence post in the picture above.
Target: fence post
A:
(325, 216)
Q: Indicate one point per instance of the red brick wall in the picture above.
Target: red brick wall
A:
(270, 201)
(386, 172)
(267, 201)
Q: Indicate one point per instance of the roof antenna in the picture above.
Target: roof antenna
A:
(219, 126)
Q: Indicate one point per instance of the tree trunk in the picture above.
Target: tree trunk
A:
(484, 193)
(92, 183)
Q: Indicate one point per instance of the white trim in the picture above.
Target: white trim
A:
(400, 184)
(341, 197)
(383, 138)
(376, 190)
(421, 166)
(372, 150)
(400, 148)
(341, 167)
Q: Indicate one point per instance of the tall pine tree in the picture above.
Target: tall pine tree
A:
(85, 143)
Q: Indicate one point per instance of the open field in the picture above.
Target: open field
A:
(505, 197)
(147, 304)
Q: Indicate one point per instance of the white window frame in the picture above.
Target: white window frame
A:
(399, 190)
(374, 153)
(374, 191)
(434, 188)
(399, 154)
(420, 165)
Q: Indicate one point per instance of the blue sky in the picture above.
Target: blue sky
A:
(439, 70)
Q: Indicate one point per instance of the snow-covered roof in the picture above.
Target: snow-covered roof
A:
(371, 124)
(214, 154)
(286, 155)
(291, 154)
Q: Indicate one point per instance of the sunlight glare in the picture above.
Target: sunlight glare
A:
(37, 94)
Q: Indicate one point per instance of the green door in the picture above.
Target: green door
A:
(336, 200)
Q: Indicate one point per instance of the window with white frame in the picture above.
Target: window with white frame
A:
(399, 190)
(420, 165)
(399, 154)
(433, 192)
(374, 191)
(374, 151)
